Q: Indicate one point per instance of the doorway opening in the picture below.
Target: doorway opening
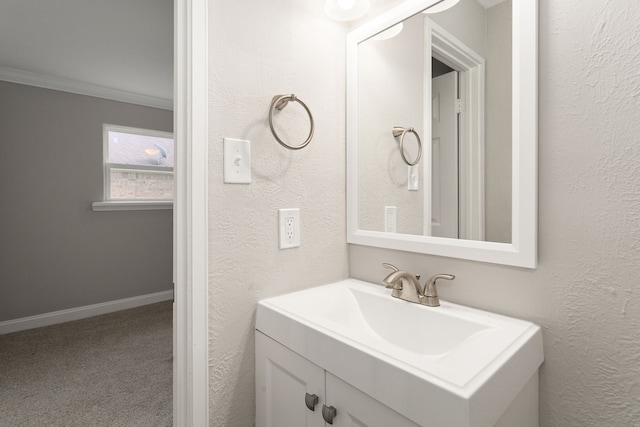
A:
(445, 55)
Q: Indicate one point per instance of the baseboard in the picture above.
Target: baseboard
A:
(78, 313)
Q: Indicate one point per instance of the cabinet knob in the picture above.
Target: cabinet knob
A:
(328, 413)
(311, 400)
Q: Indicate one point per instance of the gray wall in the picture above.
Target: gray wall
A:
(55, 252)
(585, 293)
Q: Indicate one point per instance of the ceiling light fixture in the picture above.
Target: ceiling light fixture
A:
(346, 10)
(441, 7)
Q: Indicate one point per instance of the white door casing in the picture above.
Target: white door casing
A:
(190, 320)
(448, 49)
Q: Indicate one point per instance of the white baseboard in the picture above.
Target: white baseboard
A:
(77, 313)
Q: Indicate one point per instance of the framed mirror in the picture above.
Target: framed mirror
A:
(442, 130)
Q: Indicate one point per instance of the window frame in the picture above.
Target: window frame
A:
(107, 203)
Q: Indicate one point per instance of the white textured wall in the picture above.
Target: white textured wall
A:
(259, 49)
(585, 293)
(390, 93)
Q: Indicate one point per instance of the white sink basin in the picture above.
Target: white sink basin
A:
(453, 365)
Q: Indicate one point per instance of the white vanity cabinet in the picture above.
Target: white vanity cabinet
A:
(284, 379)
(461, 367)
(358, 409)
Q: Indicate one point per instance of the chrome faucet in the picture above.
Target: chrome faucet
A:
(406, 286)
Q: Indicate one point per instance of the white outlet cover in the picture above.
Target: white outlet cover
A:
(289, 228)
(237, 161)
(390, 215)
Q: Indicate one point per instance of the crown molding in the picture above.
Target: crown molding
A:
(67, 85)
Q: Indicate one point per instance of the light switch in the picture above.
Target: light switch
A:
(413, 176)
(237, 161)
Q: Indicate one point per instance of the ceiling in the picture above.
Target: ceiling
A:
(119, 45)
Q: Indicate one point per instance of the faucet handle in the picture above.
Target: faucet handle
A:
(390, 266)
(433, 279)
(395, 270)
(431, 292)
(392, 284)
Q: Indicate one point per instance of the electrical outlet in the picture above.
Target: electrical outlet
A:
(289, 228)
(390, 213)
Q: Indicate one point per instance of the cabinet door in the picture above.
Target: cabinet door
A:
(356, 409)
(283, 379)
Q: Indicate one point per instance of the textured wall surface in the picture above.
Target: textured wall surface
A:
(55, 252)
(259, 49)
(390, 88)
(585, 292)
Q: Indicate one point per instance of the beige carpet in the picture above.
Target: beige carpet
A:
(111, 370)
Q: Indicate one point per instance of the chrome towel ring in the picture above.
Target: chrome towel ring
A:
(279, 102)
(399, 131)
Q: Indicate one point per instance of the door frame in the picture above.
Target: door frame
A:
(449, 50)
(190, 259)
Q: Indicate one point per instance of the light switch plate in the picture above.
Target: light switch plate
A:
(413, 175)
(237, 161)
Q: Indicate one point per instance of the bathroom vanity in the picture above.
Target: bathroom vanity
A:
(349, 354)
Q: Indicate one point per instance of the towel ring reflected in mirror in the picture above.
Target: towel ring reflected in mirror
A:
(399, 131)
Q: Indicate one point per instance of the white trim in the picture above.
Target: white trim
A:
(448, 49)
(78, 313)
(141, 168)
(191, 64)
(135, 205)
(73, 86)
(522, 252)
(136, 131)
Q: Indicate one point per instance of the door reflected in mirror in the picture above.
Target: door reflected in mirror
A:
(447, 76)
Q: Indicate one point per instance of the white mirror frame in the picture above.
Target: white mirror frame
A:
(522, 251)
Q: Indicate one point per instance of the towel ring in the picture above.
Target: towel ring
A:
(281, 101)
(401, 132)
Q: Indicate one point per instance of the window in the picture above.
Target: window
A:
(138, 164)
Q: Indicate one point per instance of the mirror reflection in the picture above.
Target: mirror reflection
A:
(443, 78)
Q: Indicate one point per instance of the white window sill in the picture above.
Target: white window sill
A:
(136, 205)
